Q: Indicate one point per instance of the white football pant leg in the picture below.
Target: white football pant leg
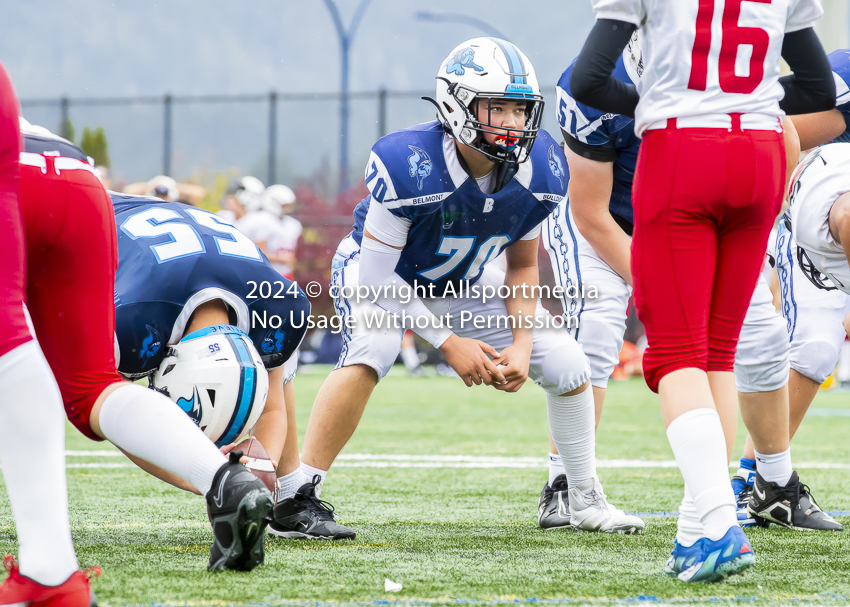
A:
(761, 363)
(602, 319)
(813, 316)
(361, 345)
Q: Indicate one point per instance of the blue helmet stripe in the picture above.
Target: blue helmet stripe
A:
(247, 392)
(515, 63)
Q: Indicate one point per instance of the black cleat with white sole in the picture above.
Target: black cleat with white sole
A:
(237, 504)
(553, 509)
(791, 506)
(305, 516)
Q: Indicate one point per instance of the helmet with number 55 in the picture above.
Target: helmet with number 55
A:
(217, 377)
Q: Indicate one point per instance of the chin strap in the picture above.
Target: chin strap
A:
(505, 171)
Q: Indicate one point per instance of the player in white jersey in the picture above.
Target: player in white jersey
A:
(279, 200)
(593, 226)
(819, 223)
(707, 190)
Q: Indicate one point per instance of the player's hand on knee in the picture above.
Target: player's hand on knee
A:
(513, 363)
(847, 324)
(470, 358)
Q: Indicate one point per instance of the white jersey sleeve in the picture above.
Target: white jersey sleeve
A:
(259, 226)
(802, 14)
(820, 180)
(630, 11)
(724, 59)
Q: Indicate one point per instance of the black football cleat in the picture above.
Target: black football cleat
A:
(791, 506)
(305, 516)
(238, 504)
(553, 509)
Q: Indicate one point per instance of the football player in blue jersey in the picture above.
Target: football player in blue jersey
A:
(832, 125)
(72, 254)
(201, 311)
(588, 238)
(446, 198)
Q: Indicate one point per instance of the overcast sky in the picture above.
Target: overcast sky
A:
(97, 48)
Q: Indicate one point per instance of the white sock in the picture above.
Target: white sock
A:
(690, 528)
(32, 453)
(289, 484)
(308, 472)
(556, 467)
(150, 426)
(776, 467)
(700, 449)
(571, 422)
(410, 357)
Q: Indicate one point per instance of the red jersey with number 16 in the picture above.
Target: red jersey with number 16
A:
(705, 59)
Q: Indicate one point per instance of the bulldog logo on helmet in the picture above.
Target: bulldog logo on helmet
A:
(420, 164)
(463, 59)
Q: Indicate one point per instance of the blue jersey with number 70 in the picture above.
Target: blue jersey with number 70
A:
(455, 228)
(172, 257)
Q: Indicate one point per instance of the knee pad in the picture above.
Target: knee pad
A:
(602, 341)
(377, 350)
(814, 359)
(562, 370)
(762, 366)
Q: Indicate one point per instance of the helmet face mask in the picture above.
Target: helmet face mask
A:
(810, 271)
(477, 76)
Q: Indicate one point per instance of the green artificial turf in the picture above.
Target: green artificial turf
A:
(451, 535)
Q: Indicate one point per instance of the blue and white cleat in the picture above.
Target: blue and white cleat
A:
(708, 561)
(742, 487)
(681, 558)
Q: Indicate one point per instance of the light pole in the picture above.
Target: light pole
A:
(485, 27)
(345, 40)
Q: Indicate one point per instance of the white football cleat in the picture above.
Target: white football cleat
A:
(590, 511)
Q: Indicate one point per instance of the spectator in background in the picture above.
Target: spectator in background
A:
(167, 189)
(279, 200)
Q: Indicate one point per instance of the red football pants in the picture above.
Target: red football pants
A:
(13, 325)
(72, 256)
(704, 201)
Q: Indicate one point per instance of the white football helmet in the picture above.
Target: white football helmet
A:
(275, 198)
(163, 187)
(247, 191)
(217, 377)
(480, 70)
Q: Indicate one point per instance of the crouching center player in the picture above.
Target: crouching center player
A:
(446, 198)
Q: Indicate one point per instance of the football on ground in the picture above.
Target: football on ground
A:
(258, 462)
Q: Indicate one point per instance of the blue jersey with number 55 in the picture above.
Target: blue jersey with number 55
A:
(173, 257)
(455, 228)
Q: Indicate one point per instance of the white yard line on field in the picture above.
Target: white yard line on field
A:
(372, 460)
